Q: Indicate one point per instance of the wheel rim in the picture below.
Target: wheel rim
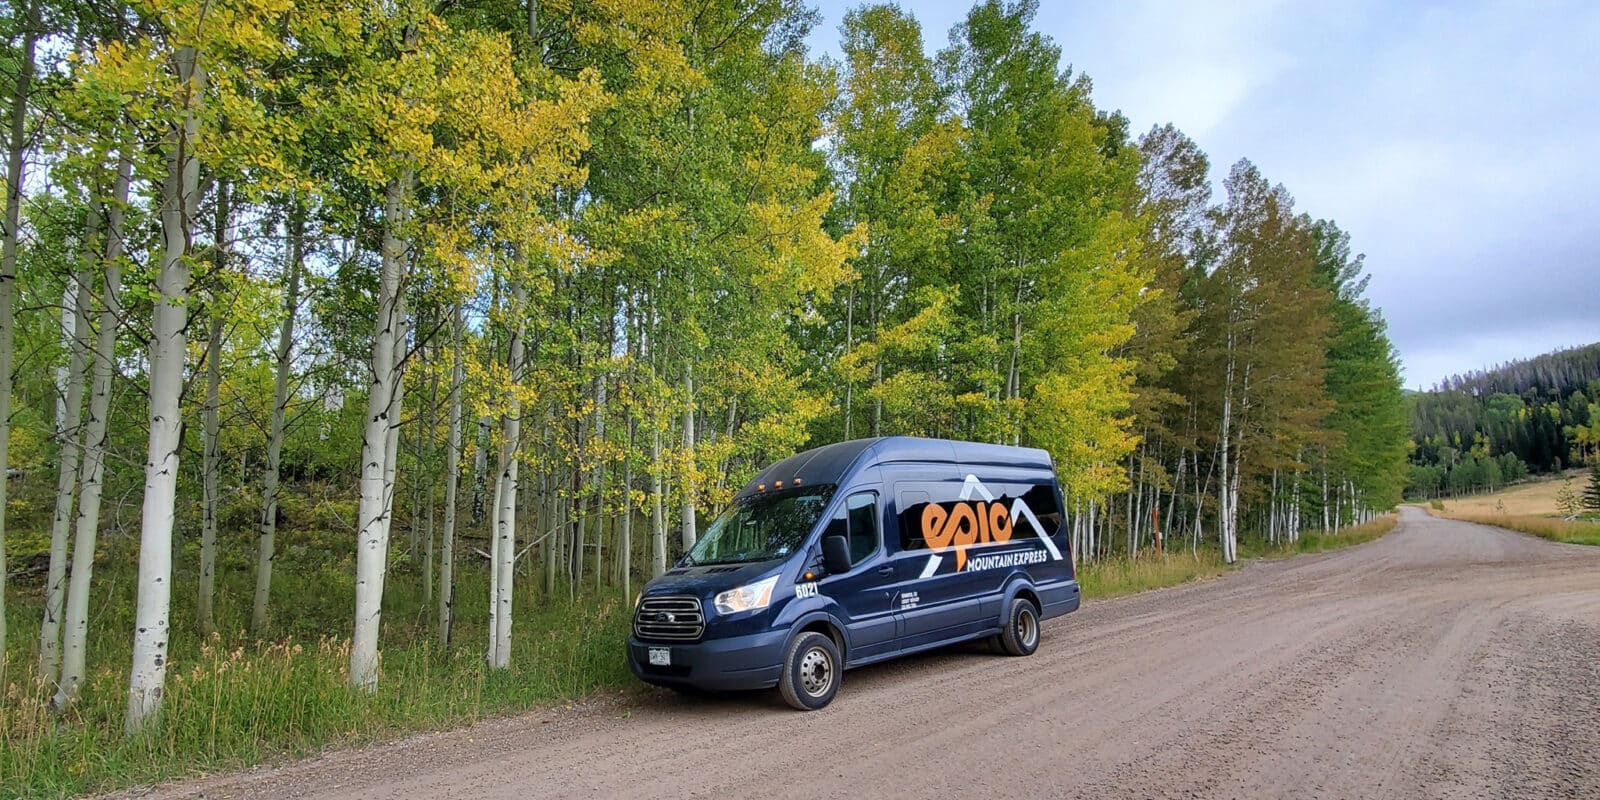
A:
(1027, 628)
(816, 672)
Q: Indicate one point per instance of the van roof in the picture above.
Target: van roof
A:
(834, 463)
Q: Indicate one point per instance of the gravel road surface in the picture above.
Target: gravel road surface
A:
(1445, 660)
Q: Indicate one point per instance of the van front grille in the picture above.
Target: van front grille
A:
(669, 619)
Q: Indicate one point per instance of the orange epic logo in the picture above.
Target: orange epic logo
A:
(963, 524)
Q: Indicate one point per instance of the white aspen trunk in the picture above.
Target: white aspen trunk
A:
(1133, 487)
(505, 519)
(625, 545)
(75, 633)
(70, 446)
(211, 425)
(267, 527)
(658, 515)
(452, 485)
(599, 476)
(849, 342)
(1272, 510)
(689, 533)
(68, 339)
(391, 461)
(1225, 485)
(1325, 521)
(1077, 533)
(1092, 530)
(376, 503)
(429, 492)
(147, 677)
(493, 643)
(1165, 525)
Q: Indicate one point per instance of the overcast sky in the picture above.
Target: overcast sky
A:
(1455, 141)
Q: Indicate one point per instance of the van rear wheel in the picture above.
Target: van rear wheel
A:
(811, 671)
(1020, 637)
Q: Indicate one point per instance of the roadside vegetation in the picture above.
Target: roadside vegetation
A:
(1123, 576)
(1563, 508)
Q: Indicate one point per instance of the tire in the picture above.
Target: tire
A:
(811, 671)
(1020, 636)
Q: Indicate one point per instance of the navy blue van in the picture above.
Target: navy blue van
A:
(858, 552)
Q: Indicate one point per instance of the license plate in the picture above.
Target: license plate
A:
(660, 656)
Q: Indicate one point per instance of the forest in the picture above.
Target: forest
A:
(387, 348)
(1474, 432)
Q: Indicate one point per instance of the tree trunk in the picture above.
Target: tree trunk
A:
(429, 490)
(1225, 486)
(505, 518)
(70, 441)
(376, 501)
(658, 511)
(599, 476)
(179, 201)
(75, 636)
(16, 145)
(211, 421)
(625, 545)
(267, 527)
(849, 342)
(452, 486)
(689, 467)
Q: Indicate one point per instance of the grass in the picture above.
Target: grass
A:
(1122, 576)
(233, 700)
(1533, 497)
(1553, 528)
(1527, 507)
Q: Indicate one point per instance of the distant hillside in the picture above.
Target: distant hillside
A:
(1559, 372)
(1479, 430)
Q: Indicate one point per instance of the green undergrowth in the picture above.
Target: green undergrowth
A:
(233, 700)
(1120, 576)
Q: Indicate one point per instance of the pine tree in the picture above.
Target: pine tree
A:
(1591, 493)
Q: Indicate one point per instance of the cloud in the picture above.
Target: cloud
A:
(1454, 141)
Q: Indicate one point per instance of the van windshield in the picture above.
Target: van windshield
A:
(761, 528)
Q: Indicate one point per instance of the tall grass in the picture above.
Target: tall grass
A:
(1119, 576)
(1313, 542)
(1553, 528)
(232, 700)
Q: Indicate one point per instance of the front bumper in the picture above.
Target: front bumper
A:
(730, 664)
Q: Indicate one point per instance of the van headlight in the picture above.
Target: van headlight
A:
(746, 598)
(637, 598)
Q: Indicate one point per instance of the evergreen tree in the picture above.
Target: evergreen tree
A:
(1591, 493)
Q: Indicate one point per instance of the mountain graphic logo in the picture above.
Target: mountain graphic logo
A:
(975, 520)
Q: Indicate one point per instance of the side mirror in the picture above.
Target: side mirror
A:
(835, 554)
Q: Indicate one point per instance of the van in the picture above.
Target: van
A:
(855, 553)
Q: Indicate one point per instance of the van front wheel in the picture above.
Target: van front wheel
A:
(1020, 637)
(811, 671)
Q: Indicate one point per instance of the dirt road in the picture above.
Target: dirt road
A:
(1445, 660)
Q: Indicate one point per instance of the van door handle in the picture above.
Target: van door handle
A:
(887, 569)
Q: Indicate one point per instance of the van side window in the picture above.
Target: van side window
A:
(863, 511)
(857, 522)
(911, 503)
